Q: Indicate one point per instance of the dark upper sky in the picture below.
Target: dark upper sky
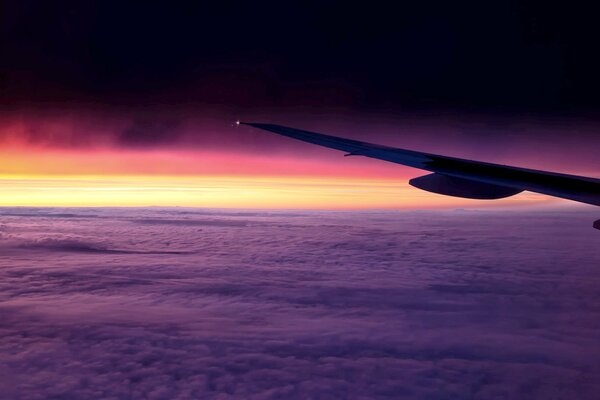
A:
(468, 55)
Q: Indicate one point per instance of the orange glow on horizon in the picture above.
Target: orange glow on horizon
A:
(227, 192)
(43, 177)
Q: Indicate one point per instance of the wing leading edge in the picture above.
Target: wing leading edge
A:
(455, 176)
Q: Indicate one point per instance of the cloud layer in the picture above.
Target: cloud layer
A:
(186, 304)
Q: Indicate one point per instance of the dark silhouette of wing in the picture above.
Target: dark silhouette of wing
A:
(458, 177)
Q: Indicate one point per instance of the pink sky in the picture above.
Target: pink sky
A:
(91, 147)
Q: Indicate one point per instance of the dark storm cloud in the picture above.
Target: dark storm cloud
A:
(431, 306)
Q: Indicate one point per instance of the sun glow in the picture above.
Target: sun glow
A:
(179, 178)
(221, 191)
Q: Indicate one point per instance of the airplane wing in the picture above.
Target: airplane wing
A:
(455, 176)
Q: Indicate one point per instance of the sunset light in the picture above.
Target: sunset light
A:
(226, 191)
